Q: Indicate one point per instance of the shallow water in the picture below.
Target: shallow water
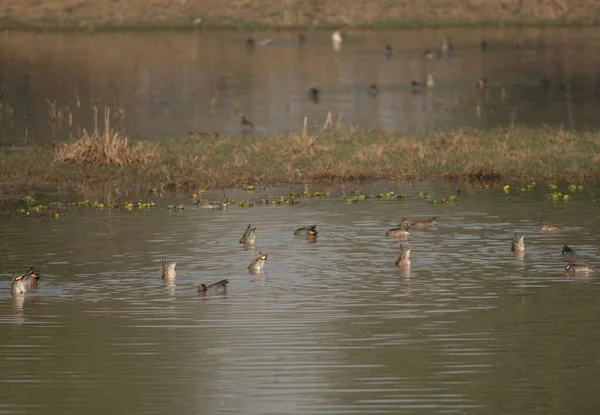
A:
(330, 327)
(170, 84)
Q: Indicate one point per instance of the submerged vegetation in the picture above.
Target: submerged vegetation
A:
(191, 163)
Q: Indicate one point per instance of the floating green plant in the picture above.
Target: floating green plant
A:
(506, 188)
(176, 207)
(558, 196)
(552, 186)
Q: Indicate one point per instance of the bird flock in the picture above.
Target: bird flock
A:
(337, 39)
(28, 281)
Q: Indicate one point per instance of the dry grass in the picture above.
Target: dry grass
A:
(104, 149)
(89, 14)
(513, 154)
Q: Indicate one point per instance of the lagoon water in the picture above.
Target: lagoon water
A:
(164, 85)
(330, 327)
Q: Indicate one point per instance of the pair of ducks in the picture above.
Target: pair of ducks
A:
(406, 224)
(249, 235)
(24, 282)
(569, 254)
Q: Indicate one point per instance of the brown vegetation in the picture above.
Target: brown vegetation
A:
(339, 155)
(284, 13)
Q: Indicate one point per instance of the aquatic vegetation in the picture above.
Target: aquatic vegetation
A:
(556, 196)
(176, 207)
(506, 188)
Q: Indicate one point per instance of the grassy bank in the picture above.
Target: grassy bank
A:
(209, 162)
(248, 14)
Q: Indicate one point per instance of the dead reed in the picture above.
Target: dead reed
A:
(105, 149)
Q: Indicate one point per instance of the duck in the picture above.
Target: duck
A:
(429, 82)
(258, 264)
(213, 205)
(428, 54)
(314, 94)
(446, 45)
(18, 285)
(568, 253)
(483, 45)
(168, 270)
(373, 90)
(246, 124)
(388, 51)
(219, 287)
(306, 231)
(301, 38)
(518, 243)
(264, 42)
(416, 86)
(482, 83)
(403, 259)
(250, 41)
(572, 267)
(29, 279)
(419, 223)
(549, 227)
(398, 231)
(337, 39)
(249, 235)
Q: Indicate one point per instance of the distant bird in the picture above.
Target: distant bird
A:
(446, 45)
(301, 38)
(428, 54)
(249, 235)
(373, 90)
(258, 264)
(429, 82)
(482, 84)
(250, 41)
(264, 42)
(197, 21)
(518, 243)
(168, 270)
(483, 45)
(568, 253)
(314, 95)
(388, 52)
(306, 230)
(416, 86)
(337, 39)
(549, 226)
(246, 124)
(403, 259)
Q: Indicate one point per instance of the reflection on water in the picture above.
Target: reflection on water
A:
(331, 327)
(172, 84)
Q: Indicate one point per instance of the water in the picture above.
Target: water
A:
(170, 84)
(330, 327)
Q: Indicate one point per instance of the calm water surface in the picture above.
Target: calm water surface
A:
(168, 84)
(330, 327)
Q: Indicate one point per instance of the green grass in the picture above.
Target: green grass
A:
(216, 162)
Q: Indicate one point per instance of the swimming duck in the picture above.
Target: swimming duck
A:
(568, 253)
(550, 227)
(336, 39)
(518, 243)
(258, 264)
(428, 54)
(483, 45)
(168, 270)
(416, 86)
(419, 223)
(572, 267)
(249, 235)
(216, 288)
(446, 45)
(482, 83)
(31, 279)
(429, 82)
(314, 95)
(250, 41)
(388, 52)
(373, 90)
(398, 231)
(246, 124)
(18, 286)
(213, 205)
(306, 231)
(264, 42)
(403, 259)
